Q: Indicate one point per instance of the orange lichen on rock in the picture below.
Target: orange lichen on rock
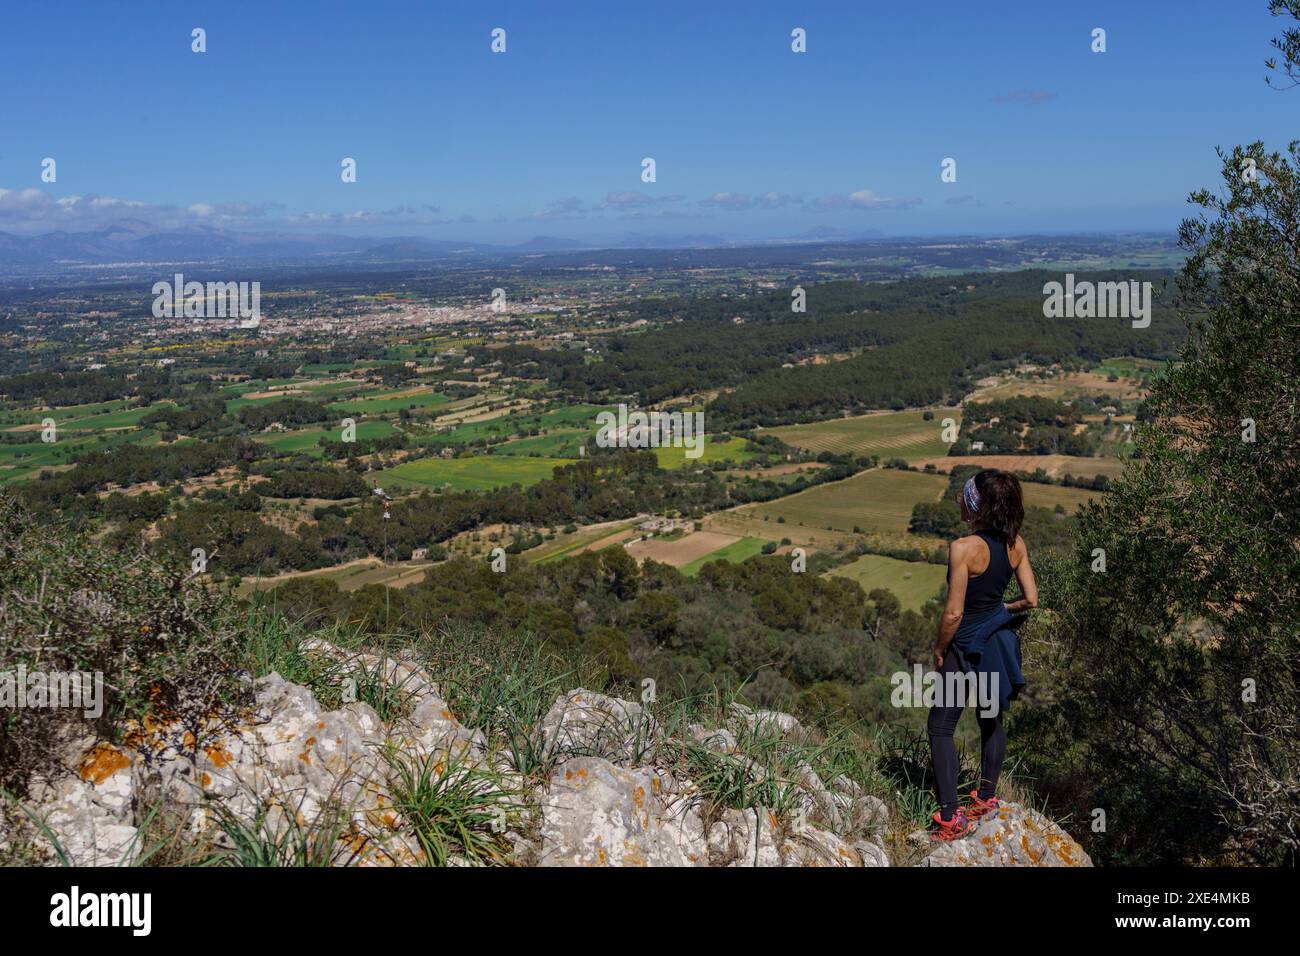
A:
(355, 841)
(220, 756)
(1034, 858)
(152, 724)
(101, 762)
(1063, 846)
(633, 854)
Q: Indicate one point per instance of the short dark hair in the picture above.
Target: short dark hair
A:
(1002, 504)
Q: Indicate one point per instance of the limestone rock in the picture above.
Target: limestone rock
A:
(595, 813)
(764, 721)
(813, 846)
(871, 853)
(749, 837)
(88, 813)
(756, 837)
(720, 741)
(1012, 836)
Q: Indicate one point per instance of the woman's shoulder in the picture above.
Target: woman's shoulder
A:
(966, 545)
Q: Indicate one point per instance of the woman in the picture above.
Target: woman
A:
(977, 636)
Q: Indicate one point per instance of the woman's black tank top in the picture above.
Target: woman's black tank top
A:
(985, 590)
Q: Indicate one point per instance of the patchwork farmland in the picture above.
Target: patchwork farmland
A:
(906, 435)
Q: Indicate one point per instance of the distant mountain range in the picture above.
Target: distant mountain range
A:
(133, 242)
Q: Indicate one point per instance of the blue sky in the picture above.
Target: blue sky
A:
(750, 139)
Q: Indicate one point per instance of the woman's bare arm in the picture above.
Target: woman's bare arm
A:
(958, 576)
(1025, 576)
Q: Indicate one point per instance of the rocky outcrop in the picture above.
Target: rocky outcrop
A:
(289, 764)
(595, 813)
(1012, 836)
(615, 789)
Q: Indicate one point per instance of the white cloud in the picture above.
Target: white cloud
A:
(864, 199)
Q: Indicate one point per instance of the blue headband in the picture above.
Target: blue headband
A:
(970, 494)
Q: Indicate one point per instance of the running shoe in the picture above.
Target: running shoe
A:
(948, 830)
(980, 807)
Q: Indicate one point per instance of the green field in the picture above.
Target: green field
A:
(308, 439)
(572, 417)
(879, 499)
(25, 461)
(558, 444)
(332, 386)
(731, 450)
(124, 418)
(96, 417)
(1049, 496)
(734, 553)
(904, 435)
(480, 473)
(306, 390)
(912, 582)
(1127, 366)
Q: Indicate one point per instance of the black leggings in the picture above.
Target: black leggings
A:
(940, 727)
